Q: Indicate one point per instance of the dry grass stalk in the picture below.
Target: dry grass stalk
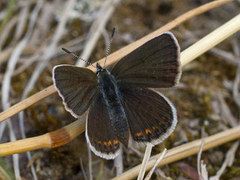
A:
(145, 161)
(200, 166)
(185, 150)
(236, 93)
(224, 55)
(106, 11)
(90, 163)
(49, 140)
(149, 175)
(228, 161)
(118, 163)
(83, 170)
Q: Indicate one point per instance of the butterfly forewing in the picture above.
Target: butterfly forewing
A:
(99, 132)
(155, 64)
(77, 86)
(151, 116)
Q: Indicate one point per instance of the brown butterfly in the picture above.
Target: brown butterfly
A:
(119, 100)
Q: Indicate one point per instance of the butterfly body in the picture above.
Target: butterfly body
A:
(121, 101)
(112, 98)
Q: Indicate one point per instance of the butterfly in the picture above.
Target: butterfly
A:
(121, 100)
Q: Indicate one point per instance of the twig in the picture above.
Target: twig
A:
(10, 9)
(212, 39)
(90, 163)
(236, 84)
(6, 53)
(226, 56)
(105, 14)
(27, 102)
(118, 163)
(227, 162)
(5, 33)
(162, 175)
(136, 151)
(146, 157)
(22, 21)
(5, 174)
(49, 140)
(83, 170)
(149, 175)
(226, 112)
(28, 63)
(16, 167)
(204, 173)
(199, 165)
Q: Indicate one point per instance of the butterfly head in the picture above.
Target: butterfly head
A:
(101, 70)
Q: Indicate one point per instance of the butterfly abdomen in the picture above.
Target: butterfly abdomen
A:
(112, 99)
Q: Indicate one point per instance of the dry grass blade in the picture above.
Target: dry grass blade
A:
(145, 160)
(83, 170)
(212, 39)
(98, 25)
(5, 34)
(22, 21)
(236, 93)
(200, 166)
(10, 11)
(90, 163)
(4, 174)
(185, 150)
(49, 140)
(227, 162)
(118, 163)
(149, 175)
(27, 102)
(121, 53)
(228, 57)
(5, 54)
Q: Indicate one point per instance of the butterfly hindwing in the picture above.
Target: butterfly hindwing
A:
(77, 86)
(99, 132)
(155, 64)
(151, 116)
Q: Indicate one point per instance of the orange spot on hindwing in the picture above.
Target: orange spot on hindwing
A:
(115, 141)
(148, 131)
(138, 134)
(109, 143)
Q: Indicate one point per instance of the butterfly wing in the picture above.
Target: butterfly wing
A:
(99, 132)
(151, 116)
(155, 64)
(77, 86)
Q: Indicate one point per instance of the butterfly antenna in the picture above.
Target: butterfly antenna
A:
(108, 47)
(76, 56)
